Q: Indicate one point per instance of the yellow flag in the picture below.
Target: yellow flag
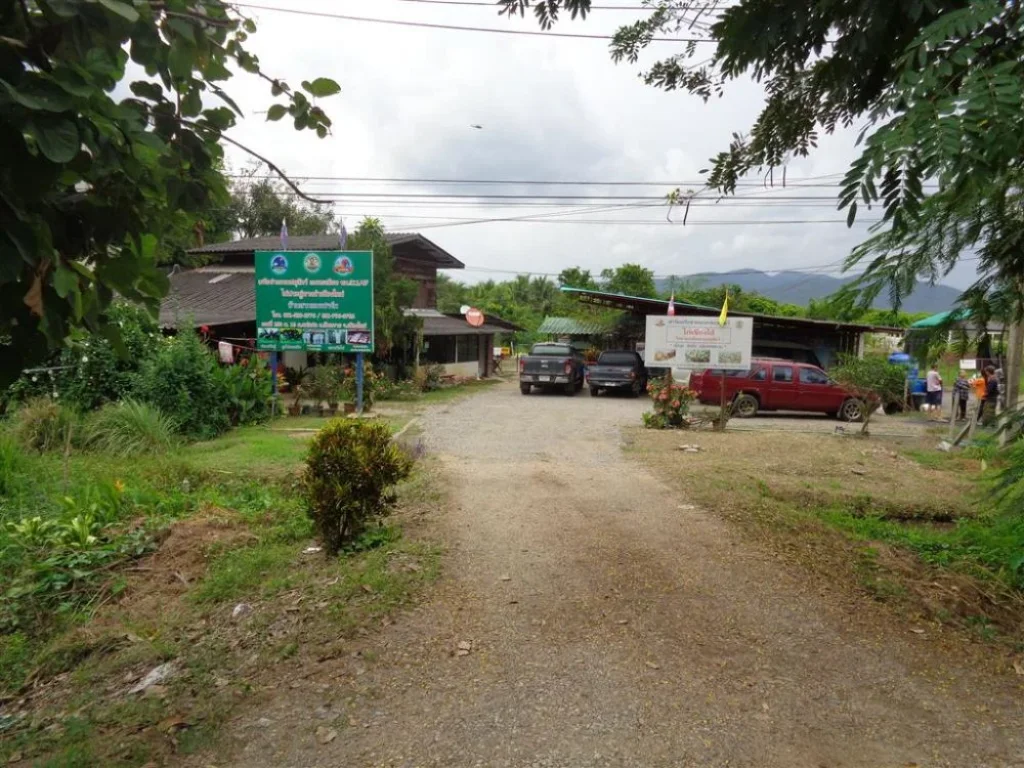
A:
(725, 310)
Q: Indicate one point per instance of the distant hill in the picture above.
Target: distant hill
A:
(800, 287)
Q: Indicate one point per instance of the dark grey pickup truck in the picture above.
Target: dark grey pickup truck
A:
(620, 371)
(552, 366)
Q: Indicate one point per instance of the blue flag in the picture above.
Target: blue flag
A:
(343, 235)
(284, 235)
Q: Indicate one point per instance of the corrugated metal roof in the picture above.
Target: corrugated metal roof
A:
(570, 326)
(641, 304)
(436, 253)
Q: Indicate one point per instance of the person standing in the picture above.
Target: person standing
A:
(961, 393)
(988, 410)
(933, 397)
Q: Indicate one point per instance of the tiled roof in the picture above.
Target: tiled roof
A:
(569, 326)
(402, 242)
(440, 324)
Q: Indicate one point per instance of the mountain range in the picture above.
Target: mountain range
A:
(794, 287)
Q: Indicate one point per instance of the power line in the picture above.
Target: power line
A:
(493, 6)
(458, 28)
(529, 182)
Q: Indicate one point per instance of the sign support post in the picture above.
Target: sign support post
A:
(359, 383)
(273, 385)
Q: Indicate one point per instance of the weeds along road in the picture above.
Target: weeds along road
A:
(601, 624)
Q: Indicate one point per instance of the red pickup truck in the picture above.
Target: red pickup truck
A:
(777, 385)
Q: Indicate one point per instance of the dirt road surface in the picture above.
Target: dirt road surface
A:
(608, 624)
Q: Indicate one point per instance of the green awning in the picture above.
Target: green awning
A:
(952, 316)
(570, 326)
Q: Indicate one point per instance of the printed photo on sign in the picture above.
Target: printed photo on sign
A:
(315, 338)
(269, 334)
(343, 266)
(336, 337)
(311, 262)
(358, 337)
(698, 355)
(730, 357)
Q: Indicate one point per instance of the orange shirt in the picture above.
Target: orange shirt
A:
(979, 387)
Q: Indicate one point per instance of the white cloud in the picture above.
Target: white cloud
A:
(550, 109)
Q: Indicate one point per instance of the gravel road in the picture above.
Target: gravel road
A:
(608, 623)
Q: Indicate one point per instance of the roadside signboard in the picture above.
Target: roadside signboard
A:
(690, 342)
(317, 301)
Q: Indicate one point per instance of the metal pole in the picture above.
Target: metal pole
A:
(273, 384)
(721, 414)
(359, 383)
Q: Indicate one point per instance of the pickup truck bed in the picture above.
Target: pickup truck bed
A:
(620, 371)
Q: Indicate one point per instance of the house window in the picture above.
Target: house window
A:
(469, 348)
(439, 349)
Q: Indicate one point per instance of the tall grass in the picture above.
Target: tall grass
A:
(129, 428)
(42, 424)
(12, 465)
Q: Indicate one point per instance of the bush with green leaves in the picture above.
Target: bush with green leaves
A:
(182, 380)
(12, 465)
(44, 424)
(89, 371)
(247, 389)
(872, 380)
(349, 479)
(129, 428)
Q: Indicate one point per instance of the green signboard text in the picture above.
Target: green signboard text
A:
(314, 300)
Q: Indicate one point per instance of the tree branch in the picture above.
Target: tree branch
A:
(261, 158)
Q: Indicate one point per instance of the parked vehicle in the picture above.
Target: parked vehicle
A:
(552, 366)
(777, 386)
(623, 371)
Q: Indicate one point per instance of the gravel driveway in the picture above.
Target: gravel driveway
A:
(604, 622)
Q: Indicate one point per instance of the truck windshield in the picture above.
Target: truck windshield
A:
(552, 349)
(616, 358)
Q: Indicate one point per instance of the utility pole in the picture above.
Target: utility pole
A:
(1012, 372)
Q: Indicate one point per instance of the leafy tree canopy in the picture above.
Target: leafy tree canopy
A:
(112, 116)
(629, 279)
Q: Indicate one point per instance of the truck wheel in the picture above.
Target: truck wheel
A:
(524, 388)
(852, 410)
(594, 391)
(745, 406)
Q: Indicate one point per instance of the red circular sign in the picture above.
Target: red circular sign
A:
(475, 318)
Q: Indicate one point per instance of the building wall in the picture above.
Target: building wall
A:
(425, 276)
(462, 355)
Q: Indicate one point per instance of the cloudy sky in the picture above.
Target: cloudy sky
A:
(553, 109)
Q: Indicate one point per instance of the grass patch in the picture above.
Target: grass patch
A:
(900, 518)
(449, 394)
(231, 528)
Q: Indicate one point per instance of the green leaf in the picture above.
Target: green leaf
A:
(39, 95)
(147, 90)
(124, 10)
(64, 281)
(276, 111)
(851, 215)
(180, 60)
(321, 87)
(58, 140)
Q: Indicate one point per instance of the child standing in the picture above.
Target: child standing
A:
(961, 393)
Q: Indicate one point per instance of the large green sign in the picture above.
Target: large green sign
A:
(321, 301)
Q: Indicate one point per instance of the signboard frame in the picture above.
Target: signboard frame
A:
(698, 342)
(337, 319)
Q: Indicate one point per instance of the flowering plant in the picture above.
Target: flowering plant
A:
(671, 404)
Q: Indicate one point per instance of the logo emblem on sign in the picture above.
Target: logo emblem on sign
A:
(278, 264)
(343, 266)
(311, 262)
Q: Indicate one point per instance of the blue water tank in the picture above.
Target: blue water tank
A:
(917, 384)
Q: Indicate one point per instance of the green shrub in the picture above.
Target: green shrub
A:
(181, 379)
(349, 477)
(129, 428)
(43, 424)
(671, 404)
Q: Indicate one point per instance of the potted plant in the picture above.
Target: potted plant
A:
(320, 386)
(293, 378)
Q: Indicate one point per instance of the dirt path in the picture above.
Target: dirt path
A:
(610, 627)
